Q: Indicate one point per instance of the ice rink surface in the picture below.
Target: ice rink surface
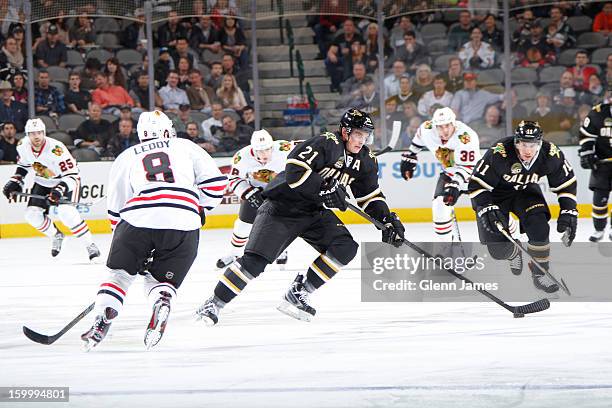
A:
(352, 354)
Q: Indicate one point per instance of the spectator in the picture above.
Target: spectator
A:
(543, 113)
(392, 82)
(172, 96)
(230, 94)
(200, 96)
(8, 143)
(221, 8)
(113, 71)
(407, 112)
(216, 75)
(140, 93)
(77, 100)
(351, 86)
(523, 31)
(125, 113)
(566, 109)
(62, 28)
(11, 54)
(248, 117)
(182, 51)
(399, 31)
(134, 36)
(241, 76)
(233, 137)
(437, 96)
(583, 112)
(581, 71)
(18, 33)
(423, 80)
(124, 139)
(566, 37)
(535, 51)
(412, 54)
(371, 47)
(333, 14)
(460, 34)
(454, 75)
(81, 34)
(409, 132)
(595, 92)
(10, 110)
(212, 125)
(88, 74)
(182, 118)
(20, 92)
(168, 32)
(109, 97)
(163, 66)
(367, 10)
(51, 52)
(339, 51)
(565, 82)
(233, 41)
(469, 103)
(95, 132)
(491, 34)
(477, 54)
(204, 36)
(183, 69)
(367, 99)
(489, 129)
(608, 76)
(47, 99)
(191, 132)
(405, 93)
(603, 20)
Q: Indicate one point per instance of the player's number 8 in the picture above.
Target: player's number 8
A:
(158, 163)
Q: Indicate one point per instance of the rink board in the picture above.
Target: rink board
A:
(411, 200)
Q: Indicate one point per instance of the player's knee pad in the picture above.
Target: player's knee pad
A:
(537, 228)
(35, 216)
(69, 215)
(252, 264)
(242, 229)
(113, 290)
(500, 250)
(342, 250)
(153, 289)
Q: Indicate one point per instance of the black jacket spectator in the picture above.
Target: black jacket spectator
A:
(11, 111)
(51, 52)
(126, 137)
(168, 32)
(95, 131)
(8, 143)
(204, 36)
(76, 99)
(233, 137)
(460, 33)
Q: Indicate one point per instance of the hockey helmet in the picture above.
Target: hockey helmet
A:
(356, 119)
(154, 125)
(35, 125)
(528, 131)
(443, 116)
(261, 140)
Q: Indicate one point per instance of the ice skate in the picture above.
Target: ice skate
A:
(56, 244)
(93, 251)
(209, 311)
(541, 280)
(516, 263)
(282, 259)
(226, 261)
(159, 319)
(295, 302)
(597, 236)
(99, 330)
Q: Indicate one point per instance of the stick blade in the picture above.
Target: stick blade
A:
(37, 337)
(537, 306)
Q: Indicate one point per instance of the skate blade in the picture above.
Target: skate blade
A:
(203, 318)
(88, 345)
(153, 335)
(290, 310)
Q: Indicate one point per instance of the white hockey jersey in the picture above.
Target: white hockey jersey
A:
(52, 164)
(162, 184)
(247, 171)
(458, 155)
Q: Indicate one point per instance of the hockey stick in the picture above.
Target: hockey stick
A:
(518, 311)
(61, 201)
(395, 134)
(517, 243)
(44, 339)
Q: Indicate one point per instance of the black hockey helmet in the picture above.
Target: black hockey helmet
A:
(528, 131)
(356, 119)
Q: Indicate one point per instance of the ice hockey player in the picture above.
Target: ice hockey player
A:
(596, 154)
(506, 180)
(298, 204)
(56, 176)
(455, 145)
(253, 167)
(159, 191)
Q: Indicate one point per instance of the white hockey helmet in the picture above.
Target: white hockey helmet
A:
(35, 125)
(261, 140)
(154, 125)
(443, 116)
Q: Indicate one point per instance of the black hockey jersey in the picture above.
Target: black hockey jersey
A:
(500, 174)
(323, 158)
(596, 132)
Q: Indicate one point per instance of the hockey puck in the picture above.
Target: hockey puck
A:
(517, 315)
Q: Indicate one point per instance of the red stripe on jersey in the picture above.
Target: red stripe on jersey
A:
(161, 196)
(113, 222)
(80, 229)
(117, 288)
(45, 224)
(214, 188)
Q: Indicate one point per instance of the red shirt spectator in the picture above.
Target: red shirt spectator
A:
(581, 71)
(603, 20)
(107, 95)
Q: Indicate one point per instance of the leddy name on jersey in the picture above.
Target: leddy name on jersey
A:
(158, 144)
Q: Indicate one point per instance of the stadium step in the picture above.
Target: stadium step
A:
(271, 36)
(273, 53)
(321, 96)
(281, 69)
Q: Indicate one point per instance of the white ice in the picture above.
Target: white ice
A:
(353, 354)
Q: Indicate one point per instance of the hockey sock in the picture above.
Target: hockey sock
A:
(70, 216)
(540, 252)
(154, 289)
(443, 221)
(320, 271)
(36, 217)
(237, 276)
(599, 211)
(240, 236)
(113, 290)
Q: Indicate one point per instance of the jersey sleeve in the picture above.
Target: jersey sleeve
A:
(23, 164)
(561, 178)
(466, 157)
(367, 192)
(305, 162)
(418, 144)
(238, 180)
(119, 189)
(589, 130)
(209, 179)
(483, 180)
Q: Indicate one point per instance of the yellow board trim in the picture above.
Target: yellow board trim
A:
(23, 230)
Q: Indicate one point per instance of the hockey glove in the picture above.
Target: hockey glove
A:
(588, 159)
(14, 185)
(567, 224)
(393, 233)
(408, 165)
(56, 193)
(451, 193)
(254, 197)
(333, 195)
(489, 217)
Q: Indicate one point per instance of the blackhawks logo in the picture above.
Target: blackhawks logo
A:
(445, 156)
(264, 175)
(499, 148)
(428, 125)
(554, 150)
(42, 171)
(331, 136)
(58, 151)
(237, 158)
(464, 138)
(284, 146)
